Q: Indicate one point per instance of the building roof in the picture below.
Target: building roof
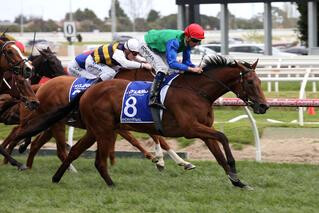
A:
(179, 2)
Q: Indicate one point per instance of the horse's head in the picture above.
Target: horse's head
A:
(19, 88)
(248, 87)
(11, 59)
(25, 92)
(47, 64)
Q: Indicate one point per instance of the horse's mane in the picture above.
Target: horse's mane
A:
(213, 61)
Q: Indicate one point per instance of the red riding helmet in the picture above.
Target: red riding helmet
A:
(20, 46)
(194, 31)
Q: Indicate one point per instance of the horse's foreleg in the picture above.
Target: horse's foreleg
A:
(178, 160)
(36, 145)
(7, 140)
(104, 147)
(84, 143)
(129, 137)
(207, 132)
(218, 154)
(11, 160)
(11, 142)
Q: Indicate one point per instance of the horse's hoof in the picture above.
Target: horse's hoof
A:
(160, 167)
(249, 188)
(72, 169)
(55, 179)
(189, 166)
(112, 185)
(22, 167)
(235, 181)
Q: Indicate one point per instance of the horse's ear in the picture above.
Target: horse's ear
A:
(42, 52)
(49, 50)
(255, 64)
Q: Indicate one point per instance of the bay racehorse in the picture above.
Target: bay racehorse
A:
(189, 114)
(19, 67)
(54, 94)
(44, 65)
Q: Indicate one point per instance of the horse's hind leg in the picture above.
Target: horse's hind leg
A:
(178, 160)
(84, 143)
(36, 145)
(11, 160)
(58, 132)
(104, 147)
(129, 137)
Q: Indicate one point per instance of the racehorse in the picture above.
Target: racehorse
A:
(44, 65)
(55, 93)
(189, 114)
(19, 67)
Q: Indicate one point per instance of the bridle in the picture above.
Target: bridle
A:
(242, 82)
(15, 67)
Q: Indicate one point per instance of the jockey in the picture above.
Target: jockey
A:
(105, 61)
(161, 50)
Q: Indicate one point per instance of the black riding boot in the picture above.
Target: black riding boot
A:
(155, 91)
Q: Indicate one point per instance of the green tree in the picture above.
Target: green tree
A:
(153, 15)
(209, 22)
(168, 22)
(119, 11)
(18, 19)
(303, 22)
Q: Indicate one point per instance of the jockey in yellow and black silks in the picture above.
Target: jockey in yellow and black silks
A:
(105, 61)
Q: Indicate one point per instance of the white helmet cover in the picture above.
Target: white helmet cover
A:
(132, 45)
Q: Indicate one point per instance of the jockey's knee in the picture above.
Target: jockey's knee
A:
(162, 70)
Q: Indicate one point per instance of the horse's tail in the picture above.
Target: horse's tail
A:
(44, 121)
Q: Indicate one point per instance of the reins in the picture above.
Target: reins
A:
(208, 97)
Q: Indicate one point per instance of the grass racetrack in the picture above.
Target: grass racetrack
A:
(141, 188)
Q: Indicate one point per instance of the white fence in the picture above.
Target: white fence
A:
(272, 102)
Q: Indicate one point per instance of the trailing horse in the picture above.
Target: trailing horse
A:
(13, 62)
(55, 93)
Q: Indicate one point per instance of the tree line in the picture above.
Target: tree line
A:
(87, 21)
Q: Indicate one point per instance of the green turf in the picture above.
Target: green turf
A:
(141, 188)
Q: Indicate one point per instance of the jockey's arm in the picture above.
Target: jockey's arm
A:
(171, 55)
(140, 59)
(119, 56)
(187, 57)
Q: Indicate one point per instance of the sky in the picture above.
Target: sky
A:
(56, 9)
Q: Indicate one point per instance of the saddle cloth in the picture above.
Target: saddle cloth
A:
(135, 107)
(79, 85)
